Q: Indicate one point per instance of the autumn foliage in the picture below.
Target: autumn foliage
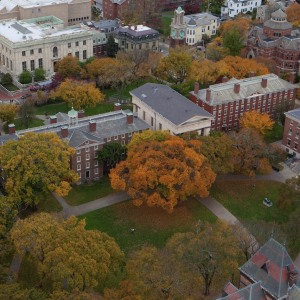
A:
(163, 173)
(293, 13)
(254, 119)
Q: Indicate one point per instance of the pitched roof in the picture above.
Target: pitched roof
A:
(224, 92)
(270, 266)
(250, 292)
(294, 293)
(295, 113)
(169, 103)
(278, 14)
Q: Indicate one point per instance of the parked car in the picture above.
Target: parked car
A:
(267, 202)
(33, 88)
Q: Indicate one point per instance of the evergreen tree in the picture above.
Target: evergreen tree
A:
(112, 47)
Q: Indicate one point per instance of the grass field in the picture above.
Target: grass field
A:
(19, 126)
(11, 87)
(153, 226)
(275, 134)
(88, 192)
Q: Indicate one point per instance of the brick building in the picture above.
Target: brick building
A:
(87, 135)
(276, 39)
(228, 100)
(291, 132)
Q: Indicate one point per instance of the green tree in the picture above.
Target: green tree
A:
(35, 164)
(8, 112)
(6, 79)
(233, 41)
(111, 46)
(39, 74)
(17, 292)
(69, 67)
(110, 155)
(26, 113)
(68, 257)
(25, 77)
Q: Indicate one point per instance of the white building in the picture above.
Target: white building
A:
(199, 24)
(235, 7)
(165, 109)
(41, 43)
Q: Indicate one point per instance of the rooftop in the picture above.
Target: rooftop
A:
(200, 19)
(295, 113)
(11, 4)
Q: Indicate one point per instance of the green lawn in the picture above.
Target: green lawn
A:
(245, 201)
(11, 87)
(88, 192)
(19, 126)
(275, 134)
(49, 204)
(152, 225)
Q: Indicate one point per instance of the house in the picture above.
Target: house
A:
(276, 39)
(232, 8)
(137, 37)
(87, 135)
(162, 108)
(264, 11)
(69, 11)
(227, 101)
(290, 140)
(270, 274)
(41, 43)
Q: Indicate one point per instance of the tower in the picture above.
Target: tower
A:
(178, 29)
(73, 117)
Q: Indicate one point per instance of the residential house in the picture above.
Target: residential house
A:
(87, 135)
(137, 37)
(162, 108)
(41, 43)
(290, 140)
(227, 101)
(276, 39)
(232, 8)
(69, 11)
(270, 274)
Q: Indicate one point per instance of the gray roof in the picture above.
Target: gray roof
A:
(224, 92)
(294, 293)
(169, 103)
(107, 126)
(129, 31)
(295, 113)
(269, 265)
(200, 19)
(278, 25)
(103, 24)
(278, 14)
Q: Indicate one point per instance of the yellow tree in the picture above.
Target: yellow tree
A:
(254, 119)
(239, 23)
(68, 257)
(79, 94)
(35, 164)
(211, 252)
(293, 13)
(8, 112)
(163, 173)
(68, 67)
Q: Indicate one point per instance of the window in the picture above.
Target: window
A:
(123, 136)
(23, 53)
(144, 115)
(96, 147)
(87, 157)
(289, 142)
(87, 149)
(40, 63)
(108, 139)
(296, 146)
(77, 44)
(31, 52)
(79, 174)
(115, 137)
(55, 52)
(78, 151)
(84, 54)
(159, 126)
(77, 54)
(78, 159)
(152, 121)
(84, 42)
(78, 167)
(96, 163)
(290, 131)
(11, 65)
(87, 165)
(96, 155)
(40, 50)
(130, 134)
(24, 66)
(69, 45)
(96, 171)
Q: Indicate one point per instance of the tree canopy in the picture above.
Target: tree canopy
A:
(163, 173)
(34, 164)
(68, 67)
(233, 41)
(254, 119)
(8, 112)
(68, 257)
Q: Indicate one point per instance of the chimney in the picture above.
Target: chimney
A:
(64, 131)
(251, 74)
(11, 129)
(117, 106)
(224, 79)
(236, 88)
(292, 77)
(196, 88)
(81, 114)
(53, 119)
(208, 94)
(264, 82)
(92, 126)
(135, 27)
(292, 275)
(129, 118)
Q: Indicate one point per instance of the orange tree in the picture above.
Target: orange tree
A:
(162, 172)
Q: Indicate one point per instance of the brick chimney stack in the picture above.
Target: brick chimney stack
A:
(81, 114)
(64, 131)
(224, 79)
(236, 88)
(264, 82)
(196, 88)
(208, 95)
(117, 106)
(129, 118)
(11, 129)
(53, 119)
(92, 126)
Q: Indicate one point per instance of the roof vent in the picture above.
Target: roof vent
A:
(24, 37)
(144, 96)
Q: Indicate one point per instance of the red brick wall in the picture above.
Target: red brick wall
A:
(291, 135)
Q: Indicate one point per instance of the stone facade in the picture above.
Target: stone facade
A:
(41, 43)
